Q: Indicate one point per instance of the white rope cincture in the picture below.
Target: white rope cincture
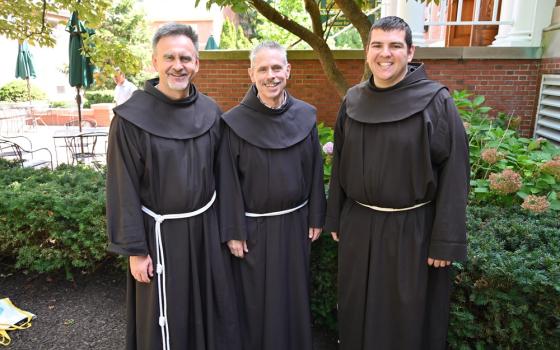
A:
(160, 264)
(276, 213)
(392, 209)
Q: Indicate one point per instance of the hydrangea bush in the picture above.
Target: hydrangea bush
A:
(507, 169)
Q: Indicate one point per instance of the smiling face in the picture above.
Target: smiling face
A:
(388, 57)
(176, 61)
(269, 72)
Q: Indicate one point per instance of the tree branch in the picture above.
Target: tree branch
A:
(315, 15)
(355, 15)
(319, 45)
(43, 19)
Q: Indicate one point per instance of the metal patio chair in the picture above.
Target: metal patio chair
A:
(13, 151)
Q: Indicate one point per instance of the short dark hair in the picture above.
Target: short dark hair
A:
(391, 23)
(172, 29)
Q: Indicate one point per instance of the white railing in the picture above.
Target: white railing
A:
(442, 20)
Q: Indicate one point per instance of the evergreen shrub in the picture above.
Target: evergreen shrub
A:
(52, 221)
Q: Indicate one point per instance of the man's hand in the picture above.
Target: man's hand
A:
(141, 268)
(438, 263)
(334, 236)
(314, 233)
(238, 248)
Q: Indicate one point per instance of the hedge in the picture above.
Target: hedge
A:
(98, 96)
(52, 221)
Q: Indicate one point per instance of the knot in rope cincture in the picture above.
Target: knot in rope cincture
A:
(160, 264)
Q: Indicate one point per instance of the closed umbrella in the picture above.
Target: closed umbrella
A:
(211, 44)
(24, 65)
(80, 67)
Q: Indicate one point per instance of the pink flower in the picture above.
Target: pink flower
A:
(535, 204)
(328, 147)
(508, 181)
(491, 155)
(552, 167)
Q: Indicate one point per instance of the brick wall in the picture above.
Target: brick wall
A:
(510, 86)
(227, 82)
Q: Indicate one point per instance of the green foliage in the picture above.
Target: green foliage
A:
(495, 146)
(99, 96)
(233, 38)
(121, 41)
(59, 104)
(507, 295)
(26, 20)
(52, 220)
(348, 40)
(326, 138)
(295, 10)
(323, 282)
(16, 91)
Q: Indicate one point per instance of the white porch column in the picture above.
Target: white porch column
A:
(530, 17)
(389, 8)
(412, 11)
(506, 14)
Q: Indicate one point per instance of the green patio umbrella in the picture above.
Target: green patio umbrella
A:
(211, 44)
(24, 65)
(80, 67)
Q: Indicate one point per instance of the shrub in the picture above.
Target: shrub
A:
(60, 104)
(326, 138)
(507, 168)
(52, 220)
(507, 295)
(16, 91)
(100, 96)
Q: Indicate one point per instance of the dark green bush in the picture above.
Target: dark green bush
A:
(16, 91)
(507, 296)
(99, 96)
(52, 220)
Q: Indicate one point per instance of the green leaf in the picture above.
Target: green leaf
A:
(478, 100)
(522, 194)
(555, 204)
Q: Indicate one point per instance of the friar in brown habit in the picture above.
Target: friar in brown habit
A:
(161, 209)
(272, 204)
(397, 200)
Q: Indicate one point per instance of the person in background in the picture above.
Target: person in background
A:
(124, 88)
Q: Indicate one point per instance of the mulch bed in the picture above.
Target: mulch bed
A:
(87, 313)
